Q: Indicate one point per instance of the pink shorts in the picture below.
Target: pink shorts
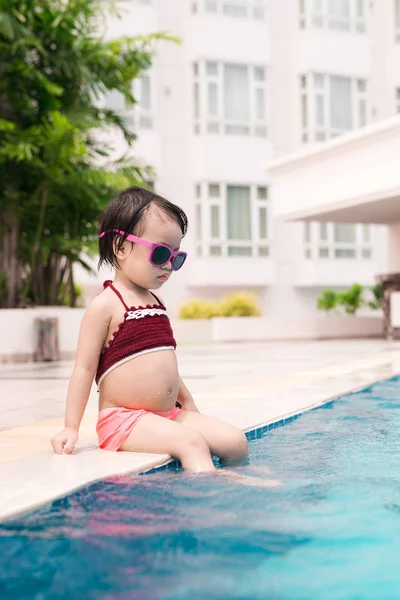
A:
(115, 424)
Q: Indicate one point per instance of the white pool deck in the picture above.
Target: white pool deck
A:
(247, 384)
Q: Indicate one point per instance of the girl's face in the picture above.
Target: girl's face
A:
(133, 259)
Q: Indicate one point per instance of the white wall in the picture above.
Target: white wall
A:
(333, 52)
(230, 39)
(295, 52)
(352, 167)
(335, 274)
(394, 248)
(236, 161)
(287, 283)
(312, 328)
(18, 340)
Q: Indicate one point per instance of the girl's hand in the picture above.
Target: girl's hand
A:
(185, 398)
(64, 442)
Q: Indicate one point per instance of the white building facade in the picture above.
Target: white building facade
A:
(252, 82)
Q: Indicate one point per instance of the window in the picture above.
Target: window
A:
(230, 99)
(114, 100)
(234, 220)
(242, 9)
(337, 241)
(238, 212)
(397, 100)
(331, 105)
(144, 95)
(302, 14)
(199, 220)
(344, 240)
(397, 19)
(141, 115)
(344, 233)
(336, 15)
(339, 15)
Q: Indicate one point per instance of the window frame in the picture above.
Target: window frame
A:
(135, 115)
(316, 247)
(396, 20)
(206, 123)
(397, 100)
(313, 132)
(309, 18)
(204, 203)
(139, 112)
(254, 10)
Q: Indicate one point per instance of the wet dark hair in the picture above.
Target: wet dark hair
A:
(126, 212)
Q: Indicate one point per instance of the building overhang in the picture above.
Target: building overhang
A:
(383, 208)
(353, 178)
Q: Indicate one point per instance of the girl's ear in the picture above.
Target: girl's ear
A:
(120, 252)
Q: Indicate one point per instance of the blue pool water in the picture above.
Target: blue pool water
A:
(331, 532)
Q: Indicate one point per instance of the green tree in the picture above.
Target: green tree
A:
(327, 300)
(352, 299)
(376, 303)
(56, 175)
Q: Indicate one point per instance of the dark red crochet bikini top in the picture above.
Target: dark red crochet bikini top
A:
(144, 329)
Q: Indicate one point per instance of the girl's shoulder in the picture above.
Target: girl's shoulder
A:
(102, 306)
(97, 318)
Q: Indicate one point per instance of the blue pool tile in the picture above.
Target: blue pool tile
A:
(254, 434)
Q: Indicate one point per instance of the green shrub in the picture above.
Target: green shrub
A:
(376, 303)
(327, 300)
(198, 309)
(239, 305)
(351, 299)
(234, 305)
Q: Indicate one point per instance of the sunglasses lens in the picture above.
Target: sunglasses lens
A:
(160, 255)
(178, 261)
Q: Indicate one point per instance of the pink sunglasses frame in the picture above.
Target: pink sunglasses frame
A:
(153, 245)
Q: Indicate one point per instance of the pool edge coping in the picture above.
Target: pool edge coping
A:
(163, 461)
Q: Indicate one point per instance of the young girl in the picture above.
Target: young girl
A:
(126, 343)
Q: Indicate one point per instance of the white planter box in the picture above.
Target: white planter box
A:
(17, 340)
(237, 329)
(193, 331)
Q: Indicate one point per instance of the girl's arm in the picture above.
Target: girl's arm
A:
(92, 335)
(185, 397)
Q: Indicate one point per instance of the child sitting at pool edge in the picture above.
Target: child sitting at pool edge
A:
(126, 343)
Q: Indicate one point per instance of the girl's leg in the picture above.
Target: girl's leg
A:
(159, 435)
(224, 440)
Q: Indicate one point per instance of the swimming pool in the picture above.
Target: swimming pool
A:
(330, 532)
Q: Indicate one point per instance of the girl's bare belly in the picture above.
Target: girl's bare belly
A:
(148, 382)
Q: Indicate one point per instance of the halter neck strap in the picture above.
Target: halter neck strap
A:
(158, 299)
(109, 284)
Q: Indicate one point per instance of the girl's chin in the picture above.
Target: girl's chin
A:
(160, 282)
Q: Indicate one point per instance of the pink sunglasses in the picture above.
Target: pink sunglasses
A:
(159, 254)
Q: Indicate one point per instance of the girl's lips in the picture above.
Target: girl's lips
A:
(163, 277)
